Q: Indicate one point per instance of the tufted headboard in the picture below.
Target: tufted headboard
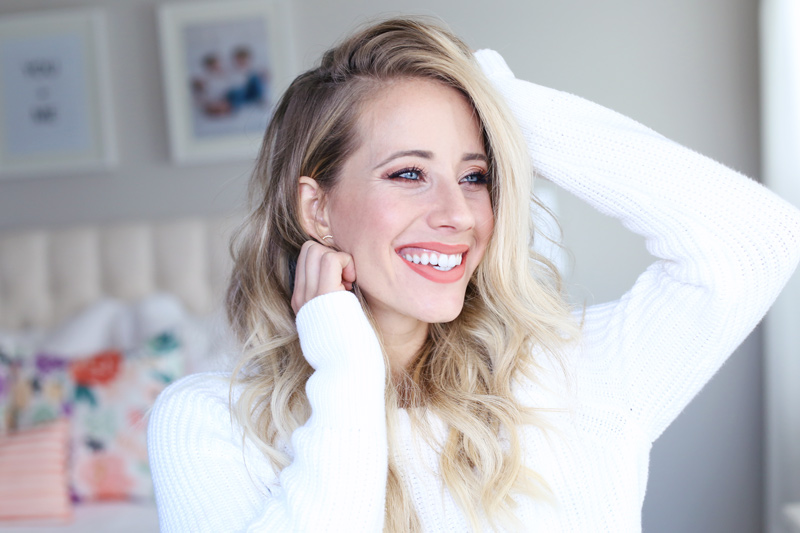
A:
(47, 275)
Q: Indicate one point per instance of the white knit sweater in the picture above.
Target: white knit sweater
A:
(726, 247)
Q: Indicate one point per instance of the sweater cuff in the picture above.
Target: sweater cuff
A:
(335, 333)
(493, 64)
(347, 387)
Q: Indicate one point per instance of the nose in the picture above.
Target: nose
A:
(450, 208)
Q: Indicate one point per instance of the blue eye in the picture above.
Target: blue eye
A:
(479, 178)
(411, 174)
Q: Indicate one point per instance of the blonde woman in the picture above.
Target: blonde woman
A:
(408, 364)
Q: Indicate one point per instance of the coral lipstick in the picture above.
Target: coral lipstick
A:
(442, 252)
(438, 247)
(438, 276)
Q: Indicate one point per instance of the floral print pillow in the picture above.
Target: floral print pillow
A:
(15, 349)
(112, 396)
(107, 396)
(41, 391)
(5, 392)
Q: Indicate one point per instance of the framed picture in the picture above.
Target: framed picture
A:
(224, 65)
(55, 107)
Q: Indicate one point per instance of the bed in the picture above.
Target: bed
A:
(94, 322)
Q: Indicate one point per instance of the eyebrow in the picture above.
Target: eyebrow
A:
(429, 155)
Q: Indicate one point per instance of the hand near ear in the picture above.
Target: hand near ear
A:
(321, 270)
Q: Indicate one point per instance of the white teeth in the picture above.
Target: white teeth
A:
(443, 262)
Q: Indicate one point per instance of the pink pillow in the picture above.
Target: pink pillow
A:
(35, 480)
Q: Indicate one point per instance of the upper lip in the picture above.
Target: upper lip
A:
(438, 247)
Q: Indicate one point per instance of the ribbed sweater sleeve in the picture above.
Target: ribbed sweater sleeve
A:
(206, 481)
(726, 245)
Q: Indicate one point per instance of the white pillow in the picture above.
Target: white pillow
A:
(208, 342)
(112, 323)
(103, 325)
(155, 314)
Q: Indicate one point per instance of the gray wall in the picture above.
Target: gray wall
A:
(686, 68)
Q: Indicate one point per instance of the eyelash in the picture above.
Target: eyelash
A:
(398, 175)
(483, 177)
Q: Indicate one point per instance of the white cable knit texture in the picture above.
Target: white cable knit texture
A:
(726, 247)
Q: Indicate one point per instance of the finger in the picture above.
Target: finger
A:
(320, 270)
(299, 280)
(349, 273)
(332, 265)
(300, 277)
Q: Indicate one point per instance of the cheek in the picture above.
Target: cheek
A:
(484, 222)
(346, 218)
(363, 223)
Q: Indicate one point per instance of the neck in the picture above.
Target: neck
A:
(402, 338)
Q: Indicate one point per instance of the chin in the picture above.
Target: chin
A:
(441, 314)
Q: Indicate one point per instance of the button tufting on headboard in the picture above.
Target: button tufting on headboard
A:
(48, 275)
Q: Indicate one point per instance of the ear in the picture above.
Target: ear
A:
(313, 208)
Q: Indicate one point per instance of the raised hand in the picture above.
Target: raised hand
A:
(321, 270)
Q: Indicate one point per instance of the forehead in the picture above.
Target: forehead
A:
(409, 114)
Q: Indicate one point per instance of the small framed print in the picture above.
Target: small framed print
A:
(224, 65)
(55, 98)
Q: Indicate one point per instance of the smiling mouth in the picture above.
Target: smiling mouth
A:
(439, 261)
(436, 261)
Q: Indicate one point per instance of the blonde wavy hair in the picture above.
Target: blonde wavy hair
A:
(465, 371)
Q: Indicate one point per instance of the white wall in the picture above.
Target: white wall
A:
(686, 68)
(145, 184)
(780, 82)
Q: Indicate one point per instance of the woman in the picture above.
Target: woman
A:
(408, 364)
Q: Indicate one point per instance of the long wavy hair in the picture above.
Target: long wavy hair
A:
(465, 371)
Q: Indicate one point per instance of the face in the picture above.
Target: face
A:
(412, 204)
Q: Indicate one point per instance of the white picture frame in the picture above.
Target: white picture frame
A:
(224, 64)
(55, 94)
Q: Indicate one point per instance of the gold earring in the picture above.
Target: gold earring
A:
(326, 237)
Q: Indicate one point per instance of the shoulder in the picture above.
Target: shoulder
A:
(198, 403)
(206, 389)
(197, 452)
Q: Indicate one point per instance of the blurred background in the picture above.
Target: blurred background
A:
(688, 69)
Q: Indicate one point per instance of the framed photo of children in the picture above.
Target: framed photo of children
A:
(55, 97)
(223, 64)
